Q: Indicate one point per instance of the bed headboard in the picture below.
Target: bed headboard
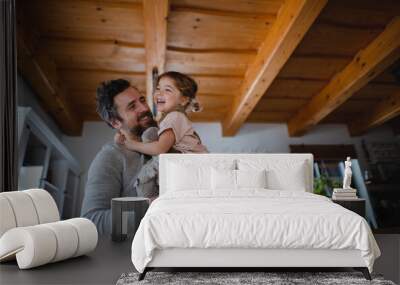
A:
(217, 158)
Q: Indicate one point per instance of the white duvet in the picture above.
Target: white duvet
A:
(254, 218)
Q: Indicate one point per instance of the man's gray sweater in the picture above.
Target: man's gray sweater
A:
(113, 173)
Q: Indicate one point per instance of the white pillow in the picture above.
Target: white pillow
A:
(193, 174)
(251, 178)
(282, 174)
(223, 179)
(182, 177)
(226, 179)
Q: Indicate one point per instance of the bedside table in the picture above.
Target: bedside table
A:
(125, 210)
(355, 205)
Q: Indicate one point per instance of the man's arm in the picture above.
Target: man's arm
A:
(104, 183)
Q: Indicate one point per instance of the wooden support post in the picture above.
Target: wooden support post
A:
(155, 14)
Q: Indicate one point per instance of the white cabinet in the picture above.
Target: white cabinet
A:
(44, 162)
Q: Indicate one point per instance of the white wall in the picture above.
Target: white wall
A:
(274, 138)
(271, 138)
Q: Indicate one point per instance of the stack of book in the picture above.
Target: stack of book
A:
(344, 194)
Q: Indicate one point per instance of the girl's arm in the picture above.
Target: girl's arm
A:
(163, 145)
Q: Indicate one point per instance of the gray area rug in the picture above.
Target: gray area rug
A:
(232, 278)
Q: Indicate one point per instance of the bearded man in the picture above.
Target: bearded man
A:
(114, 171)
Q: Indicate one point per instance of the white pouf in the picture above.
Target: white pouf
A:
(23, 208)
(7, 218)
(31, 233)
(45, 205)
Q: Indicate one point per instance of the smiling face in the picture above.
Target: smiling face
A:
(134, 112)
(167, 97)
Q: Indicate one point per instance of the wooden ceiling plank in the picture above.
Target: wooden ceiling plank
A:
(112, 20)
(269, 117)
(215, 85)
(194, 30)
(375, 91)
(366, 14)
(219, 63)
(335, 41)
(280, 104)
(88, 81)
(93, 63)
(56, 47)
(155, 13)
(41, 73)
(383, 112)
(73, 53)
(223, 13)
(365, 66)
(240, 6)
(293, 21)
(289, 88)
(100, 71)
(313, 67)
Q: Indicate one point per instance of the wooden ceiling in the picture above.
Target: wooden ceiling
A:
(301, 62)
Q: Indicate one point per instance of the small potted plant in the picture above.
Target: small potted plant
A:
(324, 185)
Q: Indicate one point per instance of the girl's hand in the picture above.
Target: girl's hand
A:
(131, 144)
(119, 138)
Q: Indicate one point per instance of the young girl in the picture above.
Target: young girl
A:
(174, 97)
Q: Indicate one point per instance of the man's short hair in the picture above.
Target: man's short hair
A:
(106, 92)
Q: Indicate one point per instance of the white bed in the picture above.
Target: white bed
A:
(247, 210)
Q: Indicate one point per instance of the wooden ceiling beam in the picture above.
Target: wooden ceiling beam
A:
(366, 65)
(155, 13)
(41, 72)
(293, 21)
(387, 109)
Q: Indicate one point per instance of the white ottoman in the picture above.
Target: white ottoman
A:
(31, 233)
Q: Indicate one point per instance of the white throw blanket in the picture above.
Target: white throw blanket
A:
(253, 218)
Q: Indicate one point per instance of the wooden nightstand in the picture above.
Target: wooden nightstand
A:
(356, 205)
